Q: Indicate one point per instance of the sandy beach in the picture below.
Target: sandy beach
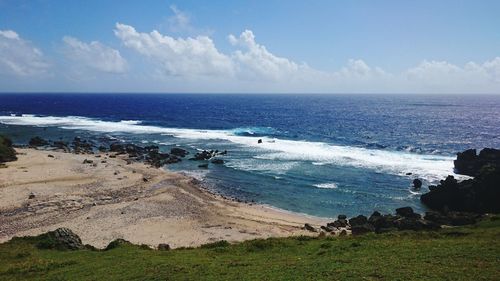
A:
(105, 198)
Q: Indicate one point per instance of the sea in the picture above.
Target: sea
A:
(319, 154)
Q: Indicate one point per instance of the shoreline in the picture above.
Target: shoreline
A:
(104, 198)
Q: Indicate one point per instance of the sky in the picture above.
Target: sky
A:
(362, 46)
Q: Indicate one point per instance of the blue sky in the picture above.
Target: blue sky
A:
(250, 46)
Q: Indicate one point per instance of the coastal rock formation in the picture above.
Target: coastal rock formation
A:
(470, 163)
(479, 195)
(179, 152)
(7, 153)
(37, 141)
(404, 219)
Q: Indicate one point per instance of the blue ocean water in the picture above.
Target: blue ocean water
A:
(321, 154)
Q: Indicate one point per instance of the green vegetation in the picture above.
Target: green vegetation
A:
(462, 253)
(7, 153)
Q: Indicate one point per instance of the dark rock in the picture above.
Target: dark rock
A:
(407, 212)
(310, 227)
(362, 228)
(50, 156)
(117, 243)
(87, 161)
(163, 247)
(179, 152)
(417, 184)
(327, 228)
(37, 141)
(31, 196)
(359, 220)
(338, 223)
(479, 195)
(60, 239)
(451, 218)
(259, 141)
(342, 217)
(203, 155)
(205, 166)
(469, 163)
(408, 223)
(61, 145)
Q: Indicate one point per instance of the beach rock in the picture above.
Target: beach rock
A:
(417, 184)
(407, 223)
(259, 141)
(342, 217)
(31, 196)
(61, 145)
(87, 161)
(50, 156)
(310, 227)
(117, 243)
(338, 223)
(362, 228)
(359, 220)
(37, 141)
(327, 228)
(451, 218)
(407, 212)
(179, 152)
(469, 163)
(60, 239)
(163, 247)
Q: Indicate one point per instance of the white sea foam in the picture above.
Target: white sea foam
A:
(429, 167)
(328, 185)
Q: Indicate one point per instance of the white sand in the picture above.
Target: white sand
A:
(111, 200)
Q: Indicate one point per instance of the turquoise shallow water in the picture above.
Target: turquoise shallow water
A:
(321, 154)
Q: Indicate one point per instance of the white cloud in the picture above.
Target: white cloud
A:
(442, 76)
(177, 57)
(94, 55)
(256, 61)
(20, 57)
(179, 21)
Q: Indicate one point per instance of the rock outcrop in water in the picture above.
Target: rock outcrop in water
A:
(37, 141)
(479, 195)
(470, 163)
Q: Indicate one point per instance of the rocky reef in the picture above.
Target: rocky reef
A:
(480, 194)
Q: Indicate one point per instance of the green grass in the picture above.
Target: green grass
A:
(464, 253)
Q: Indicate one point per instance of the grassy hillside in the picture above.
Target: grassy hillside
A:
(465, 253)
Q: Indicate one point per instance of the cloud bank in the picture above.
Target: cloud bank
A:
(19, 57)
(163, 63)
(94, 55)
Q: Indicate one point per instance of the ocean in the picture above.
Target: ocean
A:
(321, 155)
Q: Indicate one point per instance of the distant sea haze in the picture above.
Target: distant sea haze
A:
(320, 154)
